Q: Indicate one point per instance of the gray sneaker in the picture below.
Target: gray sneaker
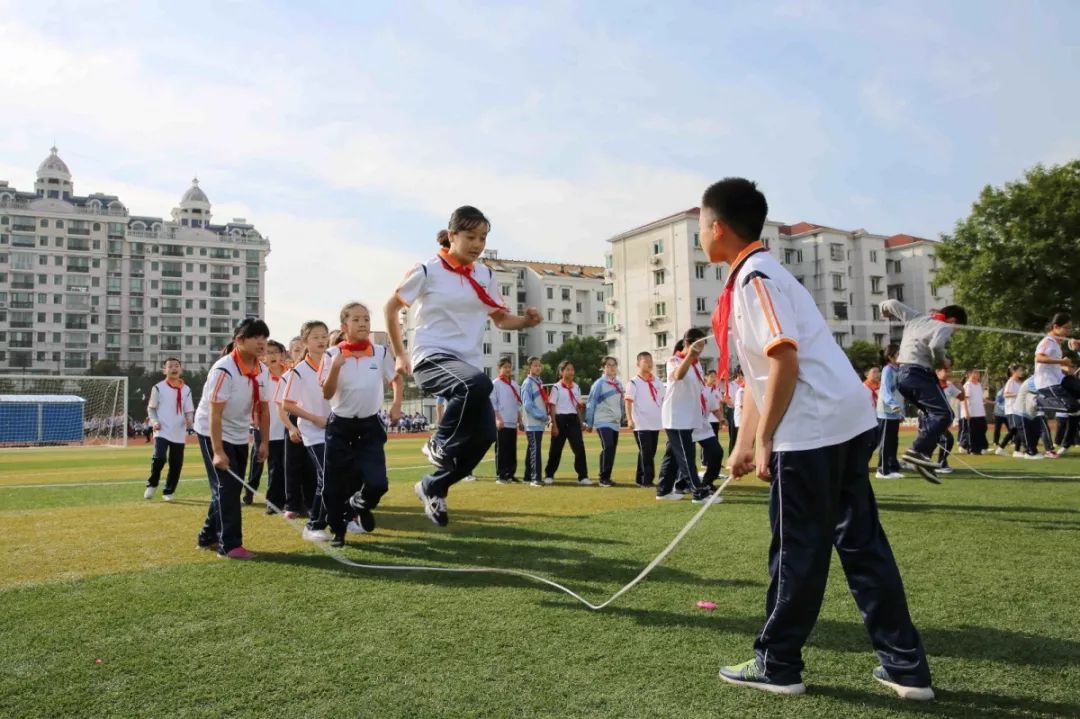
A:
(919, 694)
(434, 507)
(750, 674)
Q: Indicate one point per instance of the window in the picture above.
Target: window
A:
(577, 308)
(506, 337)
(658, 277)
(702, 304)
(873, 256)
(565, 294)
(551, 293)
(879, 340)
(658, 247)
(661, 340)
(875, 285)
(608, 261)
(551, 314)
(839, 310)
(792, 256)
(840, 337)
(505, 289)
(836, 252)
(600, 317)
(896, 292)
(875, 312)
(838, 281)
(599, 295)
(660, 309)
(934, 290)
(551, 338)
(487, 348)
(699, 270)
(697, 240)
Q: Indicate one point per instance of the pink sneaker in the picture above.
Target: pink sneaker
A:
(291, 515)
(240, 553)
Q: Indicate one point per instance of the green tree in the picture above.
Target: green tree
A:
(1013, 262)
(863, 355)
(587, 354)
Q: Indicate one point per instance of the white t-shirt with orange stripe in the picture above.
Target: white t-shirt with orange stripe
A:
(769, 308)
(226, 383)
(450, 318)
(277, 388)
(302, 386)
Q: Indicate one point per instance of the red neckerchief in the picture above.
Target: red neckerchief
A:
(512, 388)
(722, 315)
(466, 271)
(944, 383)
(649, 384)
(543, 392)
(697, 371)
(253, 375)
(362, 348)
(179, 394)
(615, 385)
(937, 316)
(570, 389)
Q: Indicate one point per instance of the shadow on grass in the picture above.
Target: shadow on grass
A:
(954, 703)
(962, 642)
(895, 505)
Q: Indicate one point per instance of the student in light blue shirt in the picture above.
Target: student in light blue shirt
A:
(535, 414)
(890, 413)
(604, 413)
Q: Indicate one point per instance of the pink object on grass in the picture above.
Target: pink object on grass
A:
(705, 605)
(240, 553)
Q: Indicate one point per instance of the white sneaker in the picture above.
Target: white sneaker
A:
(906, 467)
(880, 475)
(1061, 451)
(1032, 456)
(470, 478)
(353, 527)
(316, 535)
(1018, 455)
(549, 480)
(999, 451)
(670, 496)
(168, 497)
(961, 450)
(149, 493)
(944, 470)
(894, 475)
(584, 482)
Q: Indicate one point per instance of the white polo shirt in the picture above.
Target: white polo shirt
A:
(974, 394)
(1048, 375)
(173, 420)
(684, 404)
(506, 399)
(302, 386)
(566, 400)
(644, 408)
(277, 388)
(770, 307)
(1012, 387)
(361, 385)
(450, 318)
(226, 383)
(740, 397)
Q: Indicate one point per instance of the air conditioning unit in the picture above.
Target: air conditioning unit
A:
(616, 328)
(656, 260)
(650, 322)
(611, 302)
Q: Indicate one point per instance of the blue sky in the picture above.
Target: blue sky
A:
(348, 132)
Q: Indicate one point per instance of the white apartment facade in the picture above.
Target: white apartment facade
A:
(569, 297)
(83, 279)
(660, 282)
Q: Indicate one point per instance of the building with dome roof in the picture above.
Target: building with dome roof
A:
(84, 279)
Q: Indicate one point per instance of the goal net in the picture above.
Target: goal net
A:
(57, 410)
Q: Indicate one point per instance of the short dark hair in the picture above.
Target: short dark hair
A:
(956, 312)
(251, 327)
(1060, 318)
(467, 218)
(1015, 366)
(693, 335)
(740, 204)
(564, 364)
(167, 360)
(275, 345)
(643, 355)
(505, 361)
(443, 238)
(532, 359)
(738, 372)
(609, 358)
(891, 351)
(679, 345)
(710, 372)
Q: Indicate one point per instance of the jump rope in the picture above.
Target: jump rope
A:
(657, 560)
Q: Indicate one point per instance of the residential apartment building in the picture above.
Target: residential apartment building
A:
(660, 282)
(83, 279)
(569, 297)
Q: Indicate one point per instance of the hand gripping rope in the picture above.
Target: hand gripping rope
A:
(338, 557)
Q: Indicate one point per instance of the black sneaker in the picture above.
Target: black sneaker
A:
(606, 483)
(927, 473)
(338, 541)
(434, 507)
(750, 674)
(502, 480)
(919, 459)
(203, 546)
(920, 694)
(433, 453)
(249, 498)
(270, 510)
(364, 516)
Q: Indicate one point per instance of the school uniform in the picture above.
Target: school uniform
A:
(922, 350)
(242, 391)
(1015, 425)
(646, 397)
(820, 495)
(1028, 418)
(976, 411)
(534, 403)
(302, 386)
(567, 399)
(1058, 391)
(604, 413)
(274, 495)
(684, 415)
(730, 389)
(452, 305)
(890, 413)
(1001, 420)
(169, 406)
(708, 440)
(737, 413)
(506, 401)
(355, 437)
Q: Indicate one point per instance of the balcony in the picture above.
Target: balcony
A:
(22, 304)
(219, 312)
(23, 227)
(170, 292)
(219, 293)
(220, 277)
(171, 347)
(78, 268)
(76, 326)
(171, 310)
(78, 231)
(76, 344)
(172, 329)
(219, 329)
(78, 245)
(172, 273)
(21, 324)
(22, 241)
(22, 285)
(172, 251)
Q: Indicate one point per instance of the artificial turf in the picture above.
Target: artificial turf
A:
(109, 610)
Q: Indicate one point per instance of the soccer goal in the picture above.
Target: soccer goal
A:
(59, 410)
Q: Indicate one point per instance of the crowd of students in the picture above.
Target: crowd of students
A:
(795, 409)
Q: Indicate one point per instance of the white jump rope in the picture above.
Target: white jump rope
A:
(338, 557)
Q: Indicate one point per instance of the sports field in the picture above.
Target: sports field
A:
(109, 610)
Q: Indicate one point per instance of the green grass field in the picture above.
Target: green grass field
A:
(93, 572)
